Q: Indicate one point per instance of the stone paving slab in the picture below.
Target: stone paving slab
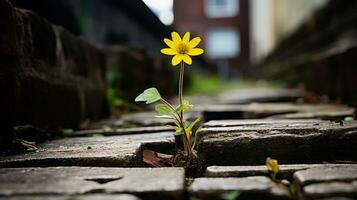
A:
(115, 151)
(259, 187)
(276, 110)
(328, 181)
(106, 123)
(161, 183)
(143, 119)
(262, 123)
(337, 198)
(74, 197)
(285, 171)
(328, 173)
(259, 95)
(121, 131)
(289, 141)
(331, 189)
(327, 115)
(244, 96)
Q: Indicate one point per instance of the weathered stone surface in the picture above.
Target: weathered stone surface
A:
(149, 119)
(320, 112)
(259, 95)
(122, 131)
(49, 77)
(330, 189)
(263, 123)
(327, 181)
(74, 197)
(158, 182)
(123, 151)
(106, 123)
(275, 110)
(259, 187)
(144, 119)
(285, 171)
(246, 96)
(337, 198)
(289, 141)
(323, 174)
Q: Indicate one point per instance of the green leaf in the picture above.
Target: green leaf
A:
(190, 127)
(230, 195)
(349, 119)
(176, 128)
(150, 95)
(163, 109)
(184, 106)
(177, 124)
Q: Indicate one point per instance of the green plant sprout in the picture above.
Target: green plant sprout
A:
(181, 50)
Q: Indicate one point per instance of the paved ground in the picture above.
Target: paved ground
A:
(315, 146)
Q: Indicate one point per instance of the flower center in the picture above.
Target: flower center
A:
(182, 48)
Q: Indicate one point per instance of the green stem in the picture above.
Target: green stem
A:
(178, 119)
(172, 108)
(195, 140)
(185, 138)
(168, 104)
(182, 71)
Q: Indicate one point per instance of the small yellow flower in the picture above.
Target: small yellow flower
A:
(272, 166)
(182, 49)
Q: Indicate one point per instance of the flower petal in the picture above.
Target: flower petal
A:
(169, 51)
(195, 52)
(187, 59)
(194, 42)
(170, 43)
(176, 59)
(186, 38)
(175, 37)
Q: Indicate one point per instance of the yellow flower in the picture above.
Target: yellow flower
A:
(272, 165)
(182, 49)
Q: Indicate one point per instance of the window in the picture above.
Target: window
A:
(223, 43)
(221, 8)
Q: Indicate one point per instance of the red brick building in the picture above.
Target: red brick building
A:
(224, 27)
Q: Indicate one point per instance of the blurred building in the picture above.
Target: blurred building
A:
(273, 20)
(128, 22)
(224, 27)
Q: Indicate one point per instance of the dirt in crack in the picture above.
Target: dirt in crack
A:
(152, 158)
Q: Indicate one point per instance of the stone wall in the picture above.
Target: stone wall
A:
(138, 70)
(51, 78)
(48, 77)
